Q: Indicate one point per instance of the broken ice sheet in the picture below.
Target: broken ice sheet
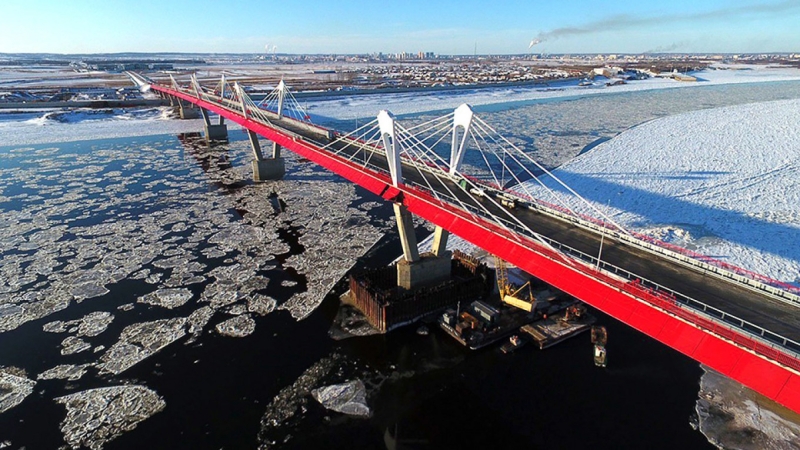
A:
(97, 416)
(139, 341)
(88, 290)
(167, 298)
(90, 325)
(292, 399)
(65, 372)
(198, 320)
(327, 223)
(219, 295)
(260, 304)
(239, 326)
(14, 387)
(72, 345)
(347, 398)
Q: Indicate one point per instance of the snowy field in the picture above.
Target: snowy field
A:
(35, 77)
(721, 182)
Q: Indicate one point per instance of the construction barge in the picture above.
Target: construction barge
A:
(481, 324)
(467, 307)
(544, 313)
(375, 293)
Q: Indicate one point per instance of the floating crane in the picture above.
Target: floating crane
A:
(509, 293)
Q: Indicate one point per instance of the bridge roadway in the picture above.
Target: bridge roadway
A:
(743, 302)
(734, 350)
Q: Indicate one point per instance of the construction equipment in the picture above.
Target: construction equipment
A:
(574, 313)
(599, 339)
(509, 293)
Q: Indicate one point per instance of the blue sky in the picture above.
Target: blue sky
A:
(449, 27)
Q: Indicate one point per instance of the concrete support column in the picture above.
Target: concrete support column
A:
(415, 270)
(186, 111)
(405, 226)
(255, 145)
(269, 169)
(440, 236)
(206, 117)
(276, 150)
(213, 132)
(216, 132)
(265, 169)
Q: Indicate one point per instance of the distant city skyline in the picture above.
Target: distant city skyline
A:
(443, 27)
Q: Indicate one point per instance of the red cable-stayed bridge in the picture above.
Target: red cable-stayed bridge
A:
(739, 323)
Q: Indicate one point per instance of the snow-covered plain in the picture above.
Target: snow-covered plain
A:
(722, 182)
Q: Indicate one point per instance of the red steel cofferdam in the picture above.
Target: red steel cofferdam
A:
(740, 324)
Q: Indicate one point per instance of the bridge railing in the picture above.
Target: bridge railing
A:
(776, 289)
(714, 320)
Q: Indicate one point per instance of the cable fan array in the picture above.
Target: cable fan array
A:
(491, 163)
(281, 101)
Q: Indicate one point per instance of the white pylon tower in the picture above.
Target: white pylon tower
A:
(281, 95)
(462, 119)
(392, 146)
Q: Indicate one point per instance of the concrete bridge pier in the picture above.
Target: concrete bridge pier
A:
(415, 270)
(265, 169)
(187, 111)
(214, 132)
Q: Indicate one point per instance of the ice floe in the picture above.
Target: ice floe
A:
(239, 326)
(139, 341)
(347, 398)
(72, 345)
(14, 387)
(92, 324)
(198, 319)
(98, 416)
(260, 304)
(65, 372)
(167, 298)
(732, 416)
(291, 401)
